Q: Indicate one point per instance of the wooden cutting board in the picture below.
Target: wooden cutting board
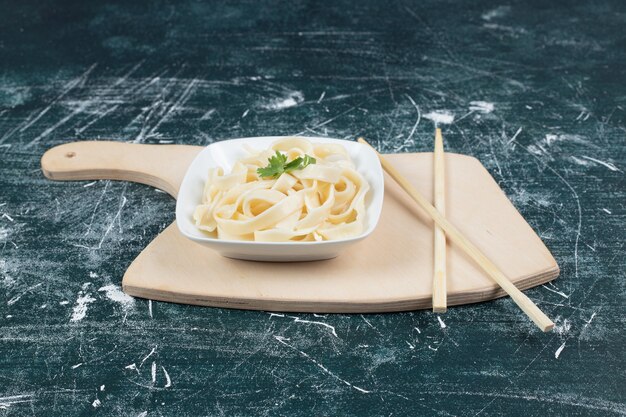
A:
(389, 271)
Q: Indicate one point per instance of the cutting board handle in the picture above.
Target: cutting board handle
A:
(161, 166)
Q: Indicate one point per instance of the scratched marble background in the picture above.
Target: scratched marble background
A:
(536, 92)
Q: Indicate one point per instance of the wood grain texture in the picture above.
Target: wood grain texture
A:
(155, 165)
(171, 270)
(387, 272)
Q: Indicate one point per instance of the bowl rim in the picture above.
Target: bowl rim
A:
(210, 240)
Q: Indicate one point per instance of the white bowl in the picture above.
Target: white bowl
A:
(224, 154)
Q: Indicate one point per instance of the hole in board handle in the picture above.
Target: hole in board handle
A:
(70, 154)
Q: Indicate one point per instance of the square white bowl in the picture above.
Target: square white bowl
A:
(225, 153)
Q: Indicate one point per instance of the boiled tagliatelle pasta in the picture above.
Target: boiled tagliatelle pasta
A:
(325, 200)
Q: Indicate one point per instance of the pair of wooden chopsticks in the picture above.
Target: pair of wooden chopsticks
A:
(531, 310)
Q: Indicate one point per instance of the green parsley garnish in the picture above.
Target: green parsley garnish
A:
(278, 164)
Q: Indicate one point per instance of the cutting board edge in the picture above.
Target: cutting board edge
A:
(339, 307)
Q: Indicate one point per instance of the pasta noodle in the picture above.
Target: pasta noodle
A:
(325, 200)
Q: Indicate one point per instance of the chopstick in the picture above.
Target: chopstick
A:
(527, 306)
(439, 275)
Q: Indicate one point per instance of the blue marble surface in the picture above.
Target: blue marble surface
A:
(536, 92)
